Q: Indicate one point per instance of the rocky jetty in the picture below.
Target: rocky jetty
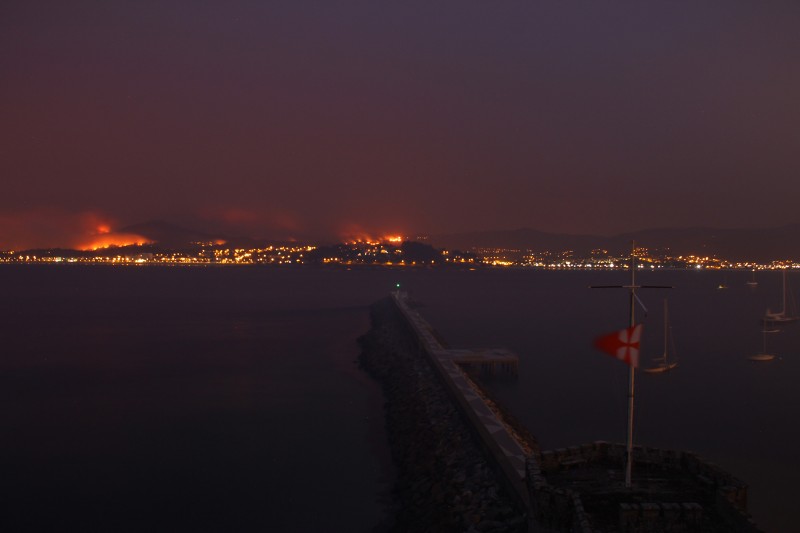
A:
(444, 481)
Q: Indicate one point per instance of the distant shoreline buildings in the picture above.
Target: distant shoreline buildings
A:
(390, 254)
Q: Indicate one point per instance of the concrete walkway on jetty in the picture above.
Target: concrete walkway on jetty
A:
(506, 450)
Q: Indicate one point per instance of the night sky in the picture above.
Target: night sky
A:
(321, 119)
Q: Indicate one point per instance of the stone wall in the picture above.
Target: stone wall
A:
(444, 480)
(554, 508)
(506, 452)
(562, 508)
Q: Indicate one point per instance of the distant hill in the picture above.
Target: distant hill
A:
(762, 244)
(167, 235)
(171, 236)
(523, 238)
(734, 244)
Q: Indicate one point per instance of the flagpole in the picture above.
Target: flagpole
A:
(631, 374)
(630, 359)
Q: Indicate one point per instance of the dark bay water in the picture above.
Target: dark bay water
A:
(227, 398)
(187, 399)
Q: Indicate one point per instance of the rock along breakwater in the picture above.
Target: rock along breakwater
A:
(446, 480)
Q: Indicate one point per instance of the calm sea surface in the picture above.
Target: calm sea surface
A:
(228, 398)
(214, 399)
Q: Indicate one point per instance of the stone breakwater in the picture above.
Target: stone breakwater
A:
(463, 466)
(444, 480)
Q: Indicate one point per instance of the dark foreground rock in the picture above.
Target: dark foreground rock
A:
(444, 481)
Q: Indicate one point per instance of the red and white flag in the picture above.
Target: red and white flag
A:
(623, 344)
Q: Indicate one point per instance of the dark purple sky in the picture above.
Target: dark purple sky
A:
(319, 118)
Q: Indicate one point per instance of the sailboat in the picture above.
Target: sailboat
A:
(764, 356)
(782, 316)
(662, 364)
(753, 282)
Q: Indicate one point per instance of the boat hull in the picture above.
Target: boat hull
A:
(663, 367)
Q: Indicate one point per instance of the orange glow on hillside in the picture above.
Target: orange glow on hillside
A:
(354, 234)
(106, 240)
(367, 239)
